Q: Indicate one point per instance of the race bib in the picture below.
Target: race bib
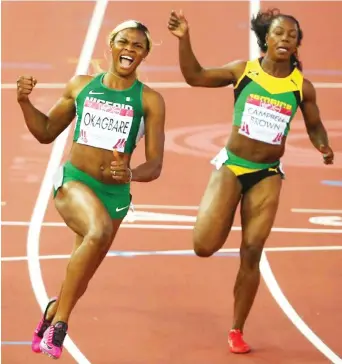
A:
(264, 120)
(105, 125)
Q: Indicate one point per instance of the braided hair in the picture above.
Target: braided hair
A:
(260, 24)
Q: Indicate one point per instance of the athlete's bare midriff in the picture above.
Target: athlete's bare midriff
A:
(95, 161)
(254, 150)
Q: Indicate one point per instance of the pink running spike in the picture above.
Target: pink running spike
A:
(40, 329)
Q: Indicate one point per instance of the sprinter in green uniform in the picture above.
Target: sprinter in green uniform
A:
(267, 91)
(113, 111)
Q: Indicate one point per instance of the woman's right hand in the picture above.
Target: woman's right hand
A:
(178, 25)
(25, 85)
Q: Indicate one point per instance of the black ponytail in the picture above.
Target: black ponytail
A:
(260, 24)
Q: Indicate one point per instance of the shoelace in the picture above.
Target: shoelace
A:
(57, 336)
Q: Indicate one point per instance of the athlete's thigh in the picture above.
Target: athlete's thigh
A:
(81, 209)
(217, 208)
(259, 207)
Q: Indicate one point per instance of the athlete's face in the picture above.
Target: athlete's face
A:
(129, 48)
(282, 39)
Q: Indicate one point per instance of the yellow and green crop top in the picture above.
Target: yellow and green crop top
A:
(265, 105)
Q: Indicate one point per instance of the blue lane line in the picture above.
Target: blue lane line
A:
(15, 343)
(332, 183)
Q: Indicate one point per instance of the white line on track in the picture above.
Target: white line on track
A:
(180, 227)
(319, 211)
(290, 312)
(265, 267)
(46, 186)
(284, 249)
(166, 207)
(142, 1)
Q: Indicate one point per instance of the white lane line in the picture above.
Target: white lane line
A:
(284, 249)
(46, 186)
(265, 267)
(319, 211)
(290, 312)
(179, 227)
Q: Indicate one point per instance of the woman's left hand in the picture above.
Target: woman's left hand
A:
(119, 169)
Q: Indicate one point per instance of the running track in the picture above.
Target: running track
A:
(171, 308)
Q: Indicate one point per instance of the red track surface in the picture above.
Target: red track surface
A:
(171, 309)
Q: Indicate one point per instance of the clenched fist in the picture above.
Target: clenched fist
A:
(25, 85)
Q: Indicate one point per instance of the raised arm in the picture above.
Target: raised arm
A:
(193, 73)
(46, 128)
(314, 126)
(154, 106)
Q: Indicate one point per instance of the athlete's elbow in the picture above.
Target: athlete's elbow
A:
(193, 78)
(157, 166)
(45, 136)
(193, 81)
(41, 135)
(157, 171)
(45, 139)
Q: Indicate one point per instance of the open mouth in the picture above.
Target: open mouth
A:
(283, 49)
(126, 61)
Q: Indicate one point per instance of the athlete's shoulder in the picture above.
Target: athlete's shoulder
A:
(298, 75)
(253, 66)
(309, 92)
(78, 81)
(76, 84)
(151, 93)
(236, 67)
(236, 64)
(152, 98)
(245, 68)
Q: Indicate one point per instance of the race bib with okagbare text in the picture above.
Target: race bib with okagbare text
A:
(105, 125)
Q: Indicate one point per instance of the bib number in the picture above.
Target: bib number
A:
(264, 121)
(105, 126)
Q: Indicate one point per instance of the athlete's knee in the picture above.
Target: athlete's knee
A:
(203, 251)
(201, 247)
(250, 253)
(204, 243)
(100, 235)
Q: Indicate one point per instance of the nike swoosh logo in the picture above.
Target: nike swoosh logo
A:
(121, 208)
(95, 93)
